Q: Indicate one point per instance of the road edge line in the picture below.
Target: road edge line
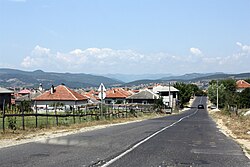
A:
(146, 139)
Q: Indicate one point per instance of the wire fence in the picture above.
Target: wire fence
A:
(20, 119)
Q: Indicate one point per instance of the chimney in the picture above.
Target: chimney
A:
(52, 90)
(40, 87)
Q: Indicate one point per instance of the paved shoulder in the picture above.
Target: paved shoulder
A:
(194, 141)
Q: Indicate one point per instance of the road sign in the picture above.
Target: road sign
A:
(102, 95)
(101, 88)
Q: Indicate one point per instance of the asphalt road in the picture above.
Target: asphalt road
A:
(187, 139)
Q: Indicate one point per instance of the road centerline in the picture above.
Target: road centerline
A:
(146, 139)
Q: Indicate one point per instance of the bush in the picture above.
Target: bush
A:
(12, 123)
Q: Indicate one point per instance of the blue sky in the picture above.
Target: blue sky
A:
(126, 36)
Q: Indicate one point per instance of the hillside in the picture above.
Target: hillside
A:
(18, 78)
(189, 76)
(222, 76)
(135, 77)
(193, 77)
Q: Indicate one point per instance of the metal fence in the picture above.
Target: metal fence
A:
(20, 119)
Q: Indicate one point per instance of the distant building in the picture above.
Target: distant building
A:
(168, 93)
(143, 97)
(60, 94)
(241, 85)
(5, 95)
(28, 97)
(117, 96)
(92, 98)
(24, 92)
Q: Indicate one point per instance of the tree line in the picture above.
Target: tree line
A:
(228, 96)
(186, 91)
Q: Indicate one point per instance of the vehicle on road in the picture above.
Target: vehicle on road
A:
(200, 106)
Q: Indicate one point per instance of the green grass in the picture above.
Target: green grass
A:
(47, 122)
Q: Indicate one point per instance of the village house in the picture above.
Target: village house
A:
(117, 96)
(169, 94)
(145, 96)
(24, 92)
(92, 98)
(60, 94)
(241, 85)
(5, 97)
(28, 97)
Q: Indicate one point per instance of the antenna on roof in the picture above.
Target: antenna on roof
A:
(52, 90)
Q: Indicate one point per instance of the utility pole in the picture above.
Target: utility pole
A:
(169, 95)
(217, 92)
(101, 100)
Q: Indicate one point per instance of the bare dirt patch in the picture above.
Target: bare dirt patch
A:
(237, 127)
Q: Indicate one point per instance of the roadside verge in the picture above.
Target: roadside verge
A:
(236, 127)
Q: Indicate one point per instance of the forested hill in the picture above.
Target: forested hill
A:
(18, 78)
(194, 77)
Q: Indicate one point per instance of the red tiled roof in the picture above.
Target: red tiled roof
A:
(61, 93)
(117, 93)
(25, 91)
(136, 91)
(242, 84)
(89, 95)
(93, 92)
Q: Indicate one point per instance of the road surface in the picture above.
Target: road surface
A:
(187, 139)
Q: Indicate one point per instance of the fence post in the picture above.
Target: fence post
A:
(74, 119)
(118, 111)
(47, 121)
(3, 115)
(85, 113)
(79, 114)
(36, 112)
(56, 115)
(22, 116)
(126, 111)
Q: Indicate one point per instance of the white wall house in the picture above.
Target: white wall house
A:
(60, 94)
(168, 93)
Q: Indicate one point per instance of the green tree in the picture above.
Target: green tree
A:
(186, 91)
(158, 104)
(212, 93)
(244, 98)
(226, 91)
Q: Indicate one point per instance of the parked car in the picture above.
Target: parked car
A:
(200, 106)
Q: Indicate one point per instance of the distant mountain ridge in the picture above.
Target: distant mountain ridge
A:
(134, 77)
(193, 77)
(190, 76)
(19, 78)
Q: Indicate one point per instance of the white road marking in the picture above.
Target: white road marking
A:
(146, 139)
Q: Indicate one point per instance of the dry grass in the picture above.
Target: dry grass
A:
(29, 133)
(238, 125)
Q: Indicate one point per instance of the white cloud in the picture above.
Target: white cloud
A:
(88, 60)
(28, 62)
(237, 62)
(40, 51)
(195, 51)
(107, 60)
(244, 48)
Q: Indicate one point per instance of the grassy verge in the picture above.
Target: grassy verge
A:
(238, 127)
(34, 132)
